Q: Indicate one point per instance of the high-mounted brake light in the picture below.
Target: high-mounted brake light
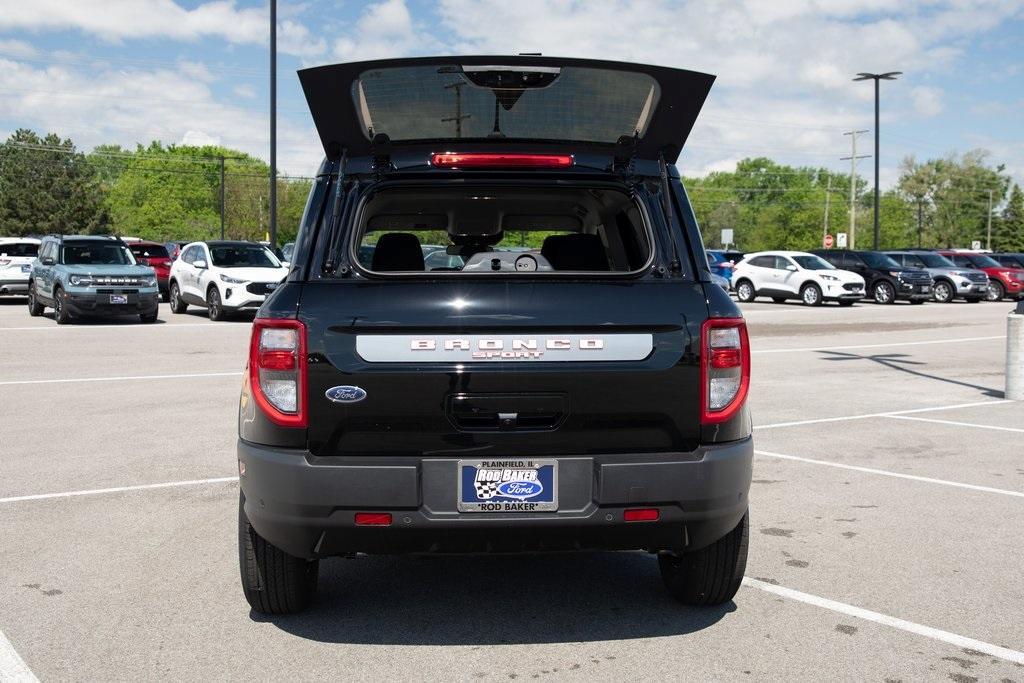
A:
(500, 160)
(277, 370)
(724, 368)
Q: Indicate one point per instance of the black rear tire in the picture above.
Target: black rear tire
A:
(273, 581)
(711, 575)
(811, 294)
(177, 305)
(745, 291)
(35, 309)
(884, 293)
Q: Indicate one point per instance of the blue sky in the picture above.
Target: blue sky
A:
(127, 71)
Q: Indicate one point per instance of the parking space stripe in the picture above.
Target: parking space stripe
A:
(954, 639)
(887, 473)
(954, 423)
(118, 489)
(891, 413)
(924, 342)
(124, 378)
(12, 667)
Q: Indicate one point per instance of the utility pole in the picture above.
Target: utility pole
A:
(828, 191)
(853, 183)
(273, 124)
(457, 87)
(988, 238)
(222, 196)
(920, 220)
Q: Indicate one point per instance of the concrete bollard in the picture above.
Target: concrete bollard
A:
(1015, 354)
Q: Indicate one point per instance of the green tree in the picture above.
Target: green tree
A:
(1008, 229)
(47, 186)
(954, 195)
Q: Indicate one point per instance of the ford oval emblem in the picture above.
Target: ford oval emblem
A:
(520, 489)
(345, 394)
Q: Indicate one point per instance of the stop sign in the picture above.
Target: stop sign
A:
(827, 241)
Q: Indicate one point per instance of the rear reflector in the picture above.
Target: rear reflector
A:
(373, 518)
(641, 515)
(492, 160)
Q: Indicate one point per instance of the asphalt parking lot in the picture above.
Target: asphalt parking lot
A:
(887, 525)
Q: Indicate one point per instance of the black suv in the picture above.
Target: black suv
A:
(885, 280)
(572, 380)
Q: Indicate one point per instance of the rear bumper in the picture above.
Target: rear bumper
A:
(306, 505)
(14, 286)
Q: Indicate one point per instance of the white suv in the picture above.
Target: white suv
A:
(16, 257)
(223, 276)
(795, 275)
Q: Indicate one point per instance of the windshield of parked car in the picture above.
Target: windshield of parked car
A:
(982, 261)
(19, 249)
(812, 262)
(95, 252)
(934, 261)
(243, 256)
(875, 260)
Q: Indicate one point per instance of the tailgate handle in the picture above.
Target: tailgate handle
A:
(506, 412)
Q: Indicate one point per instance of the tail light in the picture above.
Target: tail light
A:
(725, 368)
(277, 370)
(4, 261)
(498, 160)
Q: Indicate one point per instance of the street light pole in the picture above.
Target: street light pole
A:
(273, 123)
(888, 76)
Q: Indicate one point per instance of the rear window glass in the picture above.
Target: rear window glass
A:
(485, 231)
(19, 249)
(148, 251)
(540, 103)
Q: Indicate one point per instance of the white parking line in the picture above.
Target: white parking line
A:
(897, 475)
(890, 413)
(956, 424)
(117, 489)
(954, 639)
(124, 378)
(924, 342)
(12, 667)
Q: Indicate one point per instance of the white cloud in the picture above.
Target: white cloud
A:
(130, 105)
(927, 100)
(244, 91)
(17, 48)
(384, 29)
(118, 20)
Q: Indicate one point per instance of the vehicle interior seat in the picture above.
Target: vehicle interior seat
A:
(397, 251)
(575, 252)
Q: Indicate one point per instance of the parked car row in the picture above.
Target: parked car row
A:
(845, 276)
(105, 276)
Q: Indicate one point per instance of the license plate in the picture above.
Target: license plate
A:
(118, 298)
(508, 485)
(27, 268)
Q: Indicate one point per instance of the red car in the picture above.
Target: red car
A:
(156, 257)
(1002, 281)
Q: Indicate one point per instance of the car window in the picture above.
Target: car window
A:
(243, 256)
(148, 251)
(763, 261)
(96, 252)
(19, 249)
(961, 261)
(901, 259)
(1011, 261)
(782, 263)
(876, 260)
(812, 262)
(982, 261)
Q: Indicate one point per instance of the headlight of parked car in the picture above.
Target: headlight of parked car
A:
(80, 280)
(830, 278)
(231, 280)
(147, 281)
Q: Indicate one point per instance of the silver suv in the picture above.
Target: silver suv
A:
(951, 281)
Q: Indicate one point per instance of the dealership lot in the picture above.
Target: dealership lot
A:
(887, 524)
